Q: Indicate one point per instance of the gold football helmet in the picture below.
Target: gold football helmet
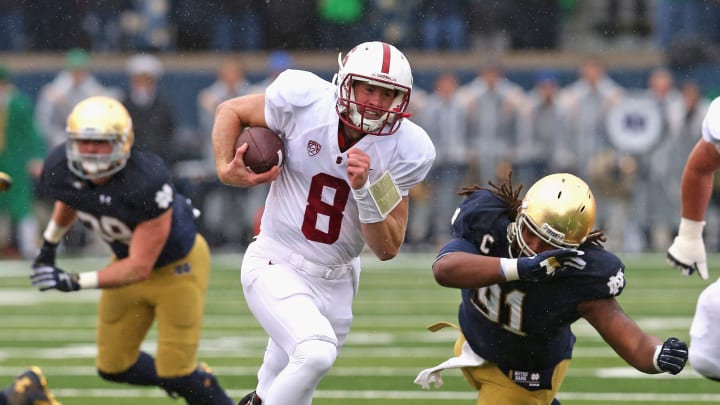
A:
(559, 209)
(99, 119)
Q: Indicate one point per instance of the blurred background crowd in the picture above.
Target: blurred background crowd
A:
(627, 132)
(430, 25)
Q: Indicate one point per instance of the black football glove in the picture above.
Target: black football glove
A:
(547, 264)
(47, 254)
(671, 356)
(46, 277)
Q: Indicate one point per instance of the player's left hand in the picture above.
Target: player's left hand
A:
(358, 168)
(688, 256)
(46, 277)
(671, 356)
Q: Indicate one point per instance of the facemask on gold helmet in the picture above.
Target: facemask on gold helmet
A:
(559, 209)
(98, 119)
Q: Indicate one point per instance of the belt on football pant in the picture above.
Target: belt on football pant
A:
(328, 272)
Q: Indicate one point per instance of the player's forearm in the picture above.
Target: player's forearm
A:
(642, 355)
(63, 214)
(696, 192)
(697, 180)
(384, 238)
(467, 270)
(225, 126)
(123, 272)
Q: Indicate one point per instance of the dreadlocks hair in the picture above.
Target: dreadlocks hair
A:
(511, 195)
(596, 237)
(506, 190)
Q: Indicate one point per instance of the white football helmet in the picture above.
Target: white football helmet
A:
(559, 209)
(379, 64)
(103, 119)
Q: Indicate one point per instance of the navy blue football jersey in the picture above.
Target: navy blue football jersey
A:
(141, 191)
(524, 325)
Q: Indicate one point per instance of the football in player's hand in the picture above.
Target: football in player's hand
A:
(265, 148)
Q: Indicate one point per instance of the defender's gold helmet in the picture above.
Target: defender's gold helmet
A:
(559, 209)
(100, 119)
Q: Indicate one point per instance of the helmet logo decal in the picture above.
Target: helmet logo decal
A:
(313, 148)
(386, 58)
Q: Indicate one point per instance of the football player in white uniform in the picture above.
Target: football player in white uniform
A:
(687, 252)
(352, 156)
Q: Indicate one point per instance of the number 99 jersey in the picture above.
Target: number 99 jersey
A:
(142, 190)
(520, 324)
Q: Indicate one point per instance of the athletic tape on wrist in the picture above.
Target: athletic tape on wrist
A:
(54, 232)
(376, 200)
(509, 269)
(89, 279)
(691, 229)
(656, 356)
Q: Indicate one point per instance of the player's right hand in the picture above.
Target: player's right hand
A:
(546, 264)
(688, 256)
(235, 173)
(47, 254)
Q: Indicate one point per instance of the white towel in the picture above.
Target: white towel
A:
(431, 376)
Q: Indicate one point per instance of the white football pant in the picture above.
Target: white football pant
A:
(307, 319)
(704, 355)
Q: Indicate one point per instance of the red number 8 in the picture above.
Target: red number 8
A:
(316, 206)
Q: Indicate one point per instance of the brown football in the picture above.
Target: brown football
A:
(265, 148)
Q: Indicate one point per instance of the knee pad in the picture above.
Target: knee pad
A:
(198, 388)
(141, 373)
(314, 357)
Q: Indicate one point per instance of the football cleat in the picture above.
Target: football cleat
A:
(30, 388)
(210, 379)
(251, 399)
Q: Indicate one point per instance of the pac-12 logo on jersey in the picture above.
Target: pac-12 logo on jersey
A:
(313, 148)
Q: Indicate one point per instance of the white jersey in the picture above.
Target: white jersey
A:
(310, 209)
(711, 124)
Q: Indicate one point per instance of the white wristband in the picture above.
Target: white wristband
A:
(691, 229)
(368, 210)
(656, 356)
(89, 279)
(54, 232)
(508, 267)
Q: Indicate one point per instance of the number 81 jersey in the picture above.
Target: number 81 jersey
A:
(310, 208)
(524, 325)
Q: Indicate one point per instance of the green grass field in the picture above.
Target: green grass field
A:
(387, 347)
